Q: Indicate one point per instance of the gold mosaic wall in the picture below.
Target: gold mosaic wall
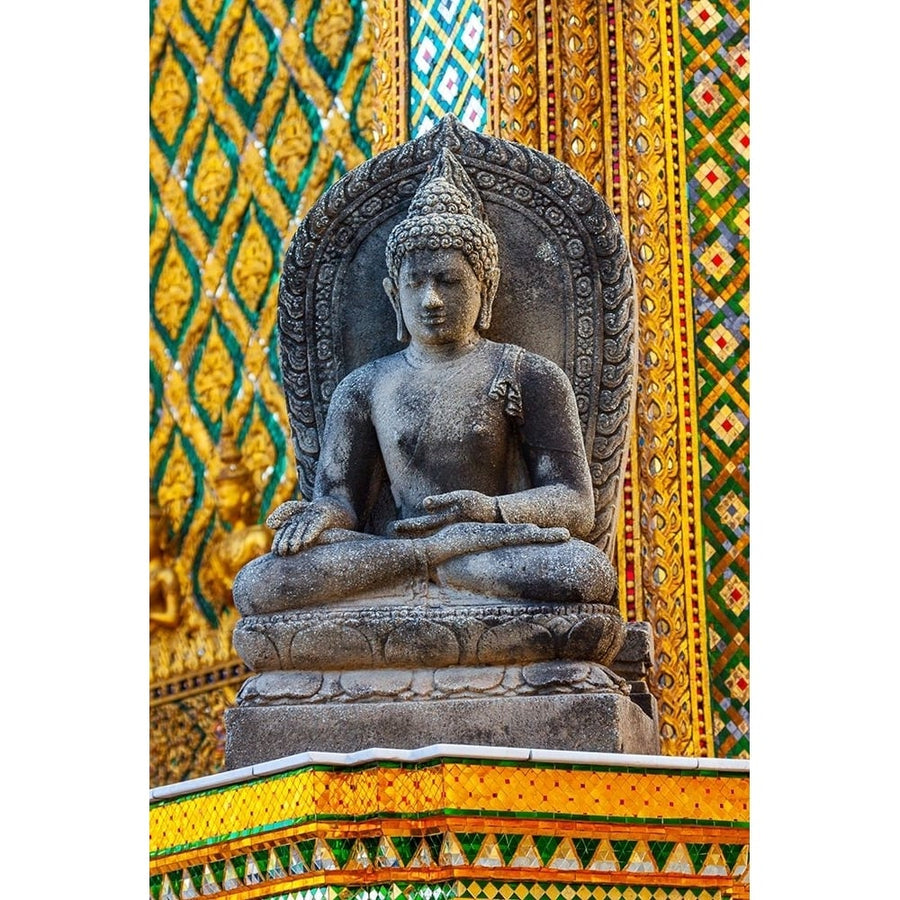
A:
(446, 828)
(256, 107)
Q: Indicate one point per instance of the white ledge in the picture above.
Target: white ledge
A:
(434, 751)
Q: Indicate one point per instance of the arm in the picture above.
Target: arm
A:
(349, 448)
(553, 446)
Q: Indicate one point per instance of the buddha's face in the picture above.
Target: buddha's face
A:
(440, 296)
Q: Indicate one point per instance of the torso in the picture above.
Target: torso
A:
(439, 429)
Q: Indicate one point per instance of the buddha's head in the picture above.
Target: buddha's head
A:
(445, 240)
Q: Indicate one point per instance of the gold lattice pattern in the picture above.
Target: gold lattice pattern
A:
(255, 107)
(507, 830)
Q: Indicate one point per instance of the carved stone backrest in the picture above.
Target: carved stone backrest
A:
(566, 290)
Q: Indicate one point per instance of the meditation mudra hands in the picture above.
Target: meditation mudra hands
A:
(447, 509)
(458, 522)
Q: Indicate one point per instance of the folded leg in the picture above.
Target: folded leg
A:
(569, 572)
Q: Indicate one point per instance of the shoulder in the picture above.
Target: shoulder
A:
(536, 368)
(354, 388)
(546, 389)
(359, 384)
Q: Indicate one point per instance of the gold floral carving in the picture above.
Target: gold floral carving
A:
(331, 30)
(668, 478)
(187, 736)
(171, 99)
(613, 69)
(513, 100)
(293, 143)
(390, 74)
(579, 26)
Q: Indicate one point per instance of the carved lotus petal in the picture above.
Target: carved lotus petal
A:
(330, 646)
(256, 648)
(417, 643)
(516, 641)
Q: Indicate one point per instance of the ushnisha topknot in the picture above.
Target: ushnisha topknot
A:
(446, 213)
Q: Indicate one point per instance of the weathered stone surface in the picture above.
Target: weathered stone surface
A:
(457, 682)
(604, 722)
(462, 477)
(376, 682)
(469, 678)
(566, 289)
(635, 657)
(440, 633)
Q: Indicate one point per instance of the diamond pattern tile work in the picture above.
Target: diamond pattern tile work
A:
(292, 834)
(715, 60)
(255, 107)
(447, 63)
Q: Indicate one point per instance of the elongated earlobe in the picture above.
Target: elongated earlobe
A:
(391, 290)
(488, 292)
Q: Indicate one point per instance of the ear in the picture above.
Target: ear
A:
(390, 288)
(488, 292)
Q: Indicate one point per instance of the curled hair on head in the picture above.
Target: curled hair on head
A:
(446, 212)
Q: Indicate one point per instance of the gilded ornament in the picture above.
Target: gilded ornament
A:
(177, 489)
(251, 270)
(332, 29)
(172, 97)
(290, 149)
(165, 591)
(213, 179)
(175, 289)
(249, 63)
(213, 379)
(243, 539)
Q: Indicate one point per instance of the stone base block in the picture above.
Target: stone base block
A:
(602, 722)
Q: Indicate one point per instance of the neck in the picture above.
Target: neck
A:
(418, 353)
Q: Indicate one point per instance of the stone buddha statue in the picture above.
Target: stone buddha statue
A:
(479, 441)
(456, 320)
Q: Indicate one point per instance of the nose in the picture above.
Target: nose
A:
(432, 300)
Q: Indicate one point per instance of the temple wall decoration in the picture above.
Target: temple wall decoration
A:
(448, 826)
(257, 106)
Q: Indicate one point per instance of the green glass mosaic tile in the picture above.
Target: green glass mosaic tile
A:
(585, 848)
(217, 867)
(698, 854)
(661, 851)
(239, 863)
(434, 842)
(470, 843)
(405, 847)
(623, 851)
(507, 844)
(341, 849)
(731, 852)
(306, 849)
(546, 846)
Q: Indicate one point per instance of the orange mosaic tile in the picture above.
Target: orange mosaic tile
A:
(516, 831)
